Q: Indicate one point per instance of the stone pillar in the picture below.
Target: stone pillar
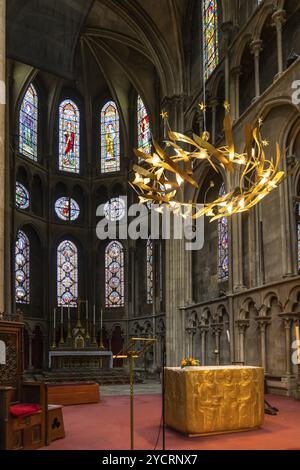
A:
(263, 323)
(203, 331)
(279, 18)
(236, 72)
(2, 147)
(178, 274)
(288, 322)
(214, 104)
(242, 327)
(217, 332)
(256, 47)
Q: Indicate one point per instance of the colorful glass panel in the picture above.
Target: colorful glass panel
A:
(114, 275)
(67, 209)
(22, 268)
(144, 131)
(223, 243)
(149, 271)
(22, 197)
(29, 124)
(114, 210)
(67, 274)
(69, 137)
(110, 138)
(210, 36)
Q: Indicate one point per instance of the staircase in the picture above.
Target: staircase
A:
(103, 377)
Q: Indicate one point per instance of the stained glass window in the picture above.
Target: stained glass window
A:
(22, 197)
(69, 137)
(22, 268)
(149, 271)
(67, 274)
(114, 210)
(67, 209)
(29, 124)
(210, 36)
(110, 138)
(223, 243)
(144, 131)
(114, 275)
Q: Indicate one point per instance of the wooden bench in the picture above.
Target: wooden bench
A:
(55, 423)
(73, 393)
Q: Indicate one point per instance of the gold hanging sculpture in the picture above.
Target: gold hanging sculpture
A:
(161, 176)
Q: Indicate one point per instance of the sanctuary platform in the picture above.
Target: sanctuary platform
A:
(203, 401)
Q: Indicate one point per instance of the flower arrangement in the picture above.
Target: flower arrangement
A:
(189, 362)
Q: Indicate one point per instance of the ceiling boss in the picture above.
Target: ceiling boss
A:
(161, 177)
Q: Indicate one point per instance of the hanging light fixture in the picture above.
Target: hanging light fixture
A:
(161, 178)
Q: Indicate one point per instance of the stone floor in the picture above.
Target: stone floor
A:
(149, 387)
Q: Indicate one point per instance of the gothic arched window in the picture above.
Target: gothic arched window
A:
(22, 197)
(114, 275)
(28, 124)
(67, 274)
(22, 268)
(69, 137)
(210, 36)
(110, 138)
(143, 123)
(223, 244)
(149, 271)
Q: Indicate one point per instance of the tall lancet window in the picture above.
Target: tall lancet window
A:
(114, 275)
(110, 138)
(223, 244)
(28, 124)
(69, 137)
(143, 123)
(22, 268)
(150, 271)
(67, 274)
(210, 36)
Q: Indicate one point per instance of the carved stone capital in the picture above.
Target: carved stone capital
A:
(256, 47)
(279, 18)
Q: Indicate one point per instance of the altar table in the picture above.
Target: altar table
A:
(203, 401)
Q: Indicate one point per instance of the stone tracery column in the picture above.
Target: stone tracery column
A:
(263, 323)
(279, 18)
(242, 327)
(288, 322)
(203, 332)
(256, 48)
(2, 147)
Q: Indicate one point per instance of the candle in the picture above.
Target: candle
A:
(61, 314)
(54, 319)
(228, 336)
(94, 315)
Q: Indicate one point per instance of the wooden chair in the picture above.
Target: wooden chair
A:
(23, 426)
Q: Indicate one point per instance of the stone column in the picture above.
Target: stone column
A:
(256, 48)
(213, 104)
(203, 331)
(30, 339)
(242, 327)
(217, 332)
(263, 323)
(288, 322)
(279, 18)
(236, 72)
(2, 147)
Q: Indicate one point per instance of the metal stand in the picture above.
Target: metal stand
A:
(133, 351)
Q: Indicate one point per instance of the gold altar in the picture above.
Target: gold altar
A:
(203, 401)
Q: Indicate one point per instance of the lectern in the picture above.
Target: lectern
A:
(134, 349)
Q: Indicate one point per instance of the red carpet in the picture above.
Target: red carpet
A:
(105, 426)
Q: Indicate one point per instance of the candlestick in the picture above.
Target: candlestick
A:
(94, 315)
(54, 319)
(87, 309)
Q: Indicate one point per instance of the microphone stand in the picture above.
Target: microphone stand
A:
(163, 401)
